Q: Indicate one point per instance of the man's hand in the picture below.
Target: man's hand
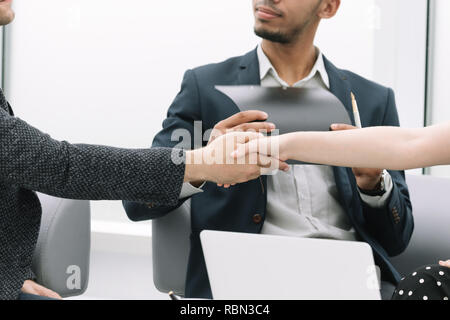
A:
(215, 163)
(242, 121)
(445, 263)
(32, 287)
(367, 179)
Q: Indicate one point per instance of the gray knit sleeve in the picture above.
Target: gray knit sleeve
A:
(35, 161)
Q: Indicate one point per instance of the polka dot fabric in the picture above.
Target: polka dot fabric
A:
(427, 283)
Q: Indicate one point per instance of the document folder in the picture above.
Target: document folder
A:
(291, 109)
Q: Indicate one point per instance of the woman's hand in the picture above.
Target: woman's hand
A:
(445, 263)
(241, 122)
(214, 163)
(276, 147)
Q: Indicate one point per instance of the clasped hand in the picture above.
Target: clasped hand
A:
(281, 147)
(215, 162)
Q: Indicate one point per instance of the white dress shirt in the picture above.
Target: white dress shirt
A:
(304, 201)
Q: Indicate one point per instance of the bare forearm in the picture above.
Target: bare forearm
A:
(380, 147)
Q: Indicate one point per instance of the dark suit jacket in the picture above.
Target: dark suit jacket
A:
(387, 230)
(31, 160)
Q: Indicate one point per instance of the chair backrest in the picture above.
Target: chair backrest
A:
(170, 249)
(430, 242)
(61, 258)
(430, 197)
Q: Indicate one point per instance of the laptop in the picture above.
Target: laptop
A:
(244, 266)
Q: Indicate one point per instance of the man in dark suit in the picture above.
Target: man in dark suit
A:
(310, 201)
(31, 160)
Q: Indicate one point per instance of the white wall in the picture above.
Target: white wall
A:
(439, 71)
(385, 41)
(105, 71)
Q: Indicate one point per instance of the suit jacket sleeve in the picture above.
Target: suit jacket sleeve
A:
(178, 131)
(33, 160)
(393, 225)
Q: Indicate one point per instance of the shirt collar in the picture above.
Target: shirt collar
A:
(265, 67)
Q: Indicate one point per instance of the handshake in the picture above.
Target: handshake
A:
(238, 152)
(218, 161)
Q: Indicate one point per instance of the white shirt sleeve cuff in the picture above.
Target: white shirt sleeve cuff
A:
(378, 202)
(188, 190)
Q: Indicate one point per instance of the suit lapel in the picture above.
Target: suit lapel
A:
(248, 73)
(4, 103)
(10, 110)
(341, 88)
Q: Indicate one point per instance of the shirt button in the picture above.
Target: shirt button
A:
(257, 218)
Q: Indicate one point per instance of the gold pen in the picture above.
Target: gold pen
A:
(356, 111)
(173, 296)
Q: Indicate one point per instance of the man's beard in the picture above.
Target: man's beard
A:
(289, 36)
(282, 37)
(277, 37)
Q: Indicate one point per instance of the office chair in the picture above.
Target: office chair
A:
(61, 258)
(170, 249)
(430, 197)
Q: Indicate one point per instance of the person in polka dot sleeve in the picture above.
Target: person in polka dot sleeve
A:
(427, 283)
(392, 148)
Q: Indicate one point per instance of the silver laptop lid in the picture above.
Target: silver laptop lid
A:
(263, 267)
